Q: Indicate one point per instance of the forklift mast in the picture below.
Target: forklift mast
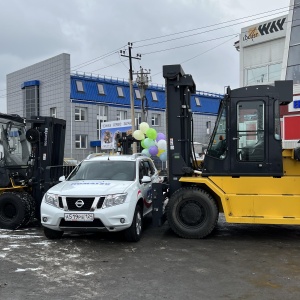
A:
(179, 87)
(47, 136)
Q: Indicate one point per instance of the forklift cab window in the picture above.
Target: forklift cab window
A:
(217, 146)
(277, 126)
(250, 131)
(15, 148)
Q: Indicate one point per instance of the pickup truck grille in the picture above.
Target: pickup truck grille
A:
(86, 206)
(88, 202)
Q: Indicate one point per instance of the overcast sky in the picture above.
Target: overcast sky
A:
(162, 31)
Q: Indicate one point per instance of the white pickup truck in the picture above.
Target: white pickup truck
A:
(104, 193)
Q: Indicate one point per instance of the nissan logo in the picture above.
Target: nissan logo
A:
(79, 203)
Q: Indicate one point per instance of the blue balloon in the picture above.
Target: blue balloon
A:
(146, 152)
(163, 156)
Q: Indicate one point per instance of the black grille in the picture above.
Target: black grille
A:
(60, 202)
(86, 206)
(73, 224)
(100, 202)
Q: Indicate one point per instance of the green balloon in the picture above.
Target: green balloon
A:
(151, 133)
(148, 143)
(143, 144)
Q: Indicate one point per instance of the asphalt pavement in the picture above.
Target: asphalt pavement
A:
(234, 262)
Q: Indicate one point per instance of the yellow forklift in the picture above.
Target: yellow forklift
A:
(246, 174)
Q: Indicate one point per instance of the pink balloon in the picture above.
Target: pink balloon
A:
(153, 150)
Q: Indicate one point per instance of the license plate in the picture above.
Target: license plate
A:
(79, 217)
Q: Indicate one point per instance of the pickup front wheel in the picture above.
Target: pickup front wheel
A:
(134, 232)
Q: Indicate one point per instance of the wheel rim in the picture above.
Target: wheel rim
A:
(138, 223)
(191, 213)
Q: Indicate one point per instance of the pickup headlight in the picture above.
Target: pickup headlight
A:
(112, 200)
(52, 199)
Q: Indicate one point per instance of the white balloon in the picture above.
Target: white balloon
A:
(144, 127)
(138, 135)
(162, 145)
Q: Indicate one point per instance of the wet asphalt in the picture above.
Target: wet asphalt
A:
(234, 262)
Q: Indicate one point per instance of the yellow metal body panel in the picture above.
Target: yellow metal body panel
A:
(257, 199)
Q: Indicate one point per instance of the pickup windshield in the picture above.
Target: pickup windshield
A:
(104, 170)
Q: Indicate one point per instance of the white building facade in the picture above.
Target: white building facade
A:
(270, 51)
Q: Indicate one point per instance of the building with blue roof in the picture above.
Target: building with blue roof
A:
(85, 101)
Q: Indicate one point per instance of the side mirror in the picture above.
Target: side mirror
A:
(146, 179)
(62, 178)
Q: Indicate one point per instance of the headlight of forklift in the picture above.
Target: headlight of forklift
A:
(52, 199)
(112, 200)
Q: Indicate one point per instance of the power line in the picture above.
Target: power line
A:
(208, 26)
(198, 33)
(187, 45)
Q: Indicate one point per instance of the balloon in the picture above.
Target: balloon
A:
(160, 136)
(144, 127)
(138, 135)
(163, 156)
(151, 133)
(143, 143)
(149, 142)
(153, 150)
(162, 145)
(160, 151)
(146, 152)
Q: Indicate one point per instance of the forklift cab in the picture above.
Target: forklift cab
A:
(246, 139)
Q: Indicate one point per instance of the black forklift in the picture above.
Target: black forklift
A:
(31, 161)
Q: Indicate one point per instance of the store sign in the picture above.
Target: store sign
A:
(109, 131)
(263, 32)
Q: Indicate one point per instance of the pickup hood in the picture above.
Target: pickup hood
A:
(90, 187)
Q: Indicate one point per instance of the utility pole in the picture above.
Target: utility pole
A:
(138, 56)
(142, 81)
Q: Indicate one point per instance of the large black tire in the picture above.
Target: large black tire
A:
(15, 210)
(53, 234)
(134, 232)
(32, 205)
(192, 213)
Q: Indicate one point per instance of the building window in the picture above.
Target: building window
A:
(154, 96)
(80, 114)
(101, 117)
(137, 94)
(53, 112)
(31, 101)
(137, 119)
(257, 75)
(100, 89)
(155, 120)
(80, 141)
(121, 115)
(208, 127)
(263, 74)
(120, 91)
(79, 86)
(197, 100)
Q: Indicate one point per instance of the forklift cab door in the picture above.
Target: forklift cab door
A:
(246, 139)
